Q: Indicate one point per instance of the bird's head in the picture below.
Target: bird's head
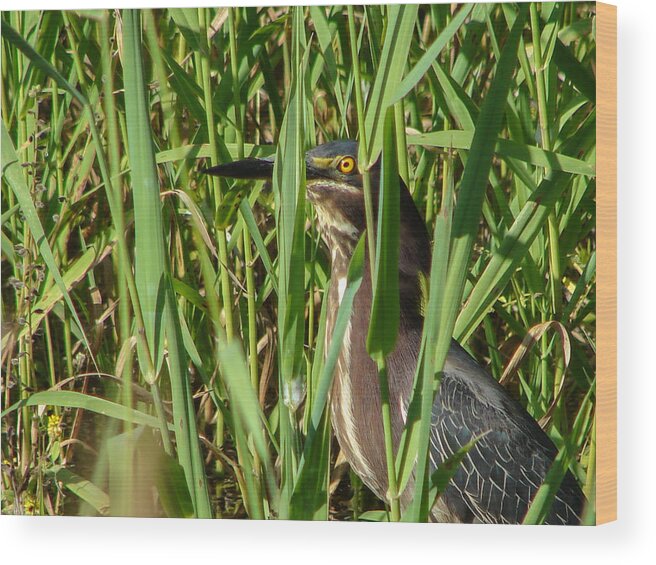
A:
(333, 181)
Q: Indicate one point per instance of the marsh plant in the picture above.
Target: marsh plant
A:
(162, 339)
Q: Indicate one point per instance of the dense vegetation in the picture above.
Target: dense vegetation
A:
(162, 331)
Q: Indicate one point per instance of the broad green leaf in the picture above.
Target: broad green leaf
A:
(82, 488)
(172, 488)
(71, 399)
(152, 271)
(506, 149)
(246, 407)
(384, 325)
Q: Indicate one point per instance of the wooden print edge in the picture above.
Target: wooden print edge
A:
(606, 393)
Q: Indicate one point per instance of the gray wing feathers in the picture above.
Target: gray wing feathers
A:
(501, 474)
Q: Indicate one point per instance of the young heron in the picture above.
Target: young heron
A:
(501, 474)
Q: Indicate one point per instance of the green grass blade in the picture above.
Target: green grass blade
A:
(82, 488)
(458, 103)
(172, 488)
(148, 225)
(441, 477)
(13, 175)
(309, 499)
(246, 406)
(509, 254)
(580, 76)
(289, 190)
(394, 57)
(74, 275)
(325, 37)
(414, 444)
(71, 399)
(475, 176)
(431, 54)
(384, 325)
(542, 501)
(444, 303)
(506, 149)
(152, 277)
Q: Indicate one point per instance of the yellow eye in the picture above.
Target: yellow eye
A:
(346, 165)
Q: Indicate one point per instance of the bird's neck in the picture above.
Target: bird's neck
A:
(341, 251)
(341, 236)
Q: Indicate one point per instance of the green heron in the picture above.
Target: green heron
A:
(501, 474)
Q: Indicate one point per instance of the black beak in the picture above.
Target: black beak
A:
(255, 168)
(250, 168)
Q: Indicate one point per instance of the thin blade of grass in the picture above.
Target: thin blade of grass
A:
(509, 254)
(431, 54)
(414, 445)
(309, 499)
(393, 59)
(151, 269)
(71, 399)
(538, 511)
(441, 477)
(505, 148)
(474, 181)
(289, 191)
(246, 407)
(13, 175)
(384, 324)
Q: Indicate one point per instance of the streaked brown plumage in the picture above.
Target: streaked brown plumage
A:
(501, 474)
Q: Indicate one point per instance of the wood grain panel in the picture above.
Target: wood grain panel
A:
(606, 403)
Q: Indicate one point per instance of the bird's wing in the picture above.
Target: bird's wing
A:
(502, 472)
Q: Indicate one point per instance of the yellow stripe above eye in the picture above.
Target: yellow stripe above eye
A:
(323, 162)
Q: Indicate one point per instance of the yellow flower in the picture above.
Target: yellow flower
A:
(29, 504)
(54, 426)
